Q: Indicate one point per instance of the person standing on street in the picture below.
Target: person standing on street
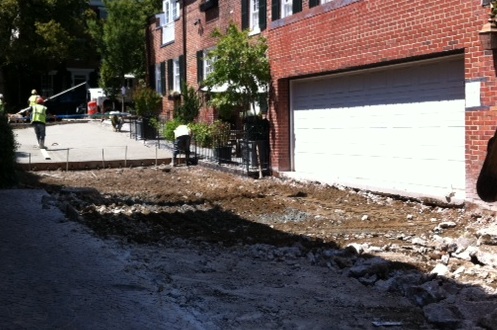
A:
(38, 120)
(32, 99)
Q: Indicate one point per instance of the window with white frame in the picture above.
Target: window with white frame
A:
(170, 14)
(254, 16)
(286, 8)
(176, 75)
(158, 80)
(325, 1)
(208, 63)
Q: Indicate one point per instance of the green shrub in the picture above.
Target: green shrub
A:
(8, 146)
(190, 105)
(202, 133)
(221, 131)
(168, 132)
(147, 102)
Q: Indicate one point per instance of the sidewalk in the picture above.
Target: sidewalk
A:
(56, 275)
(83, 145)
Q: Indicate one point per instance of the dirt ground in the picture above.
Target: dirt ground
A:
(154, 207)
(239, 210)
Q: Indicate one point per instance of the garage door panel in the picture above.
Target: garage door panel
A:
(403, 129)
(357, 171)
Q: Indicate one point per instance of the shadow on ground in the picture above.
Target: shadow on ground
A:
(146, 219)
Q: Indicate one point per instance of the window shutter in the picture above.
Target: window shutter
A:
(296, 6)
(159, 20)
(163, 77)
(275, 10)
(262, 14)
(182, 77)
(313, 3)
(200, 66)
(170, 74)
(151, 75)
(245, 14)
(176, 10)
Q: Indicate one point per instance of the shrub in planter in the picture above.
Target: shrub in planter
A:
(148, 106)
(147, 102)
(190, 105)
(202, 134)
(220, 132)
(220, 140)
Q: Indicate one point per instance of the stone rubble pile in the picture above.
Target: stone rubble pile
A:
(446, 302)
(463, 269)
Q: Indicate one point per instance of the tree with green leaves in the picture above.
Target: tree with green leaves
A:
(190, 105)
(121, 40)
(38, 36)
(240, 62)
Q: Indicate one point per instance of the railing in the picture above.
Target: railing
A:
(243, 154)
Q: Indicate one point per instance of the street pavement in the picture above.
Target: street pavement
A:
(54, 274)
(86, 144)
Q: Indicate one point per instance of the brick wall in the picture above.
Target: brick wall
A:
(348, 35)
(345, 35)
(198, 37)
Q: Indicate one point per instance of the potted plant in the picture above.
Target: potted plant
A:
(148, 107)
(255, 148)
(174, 95)
(220, 132)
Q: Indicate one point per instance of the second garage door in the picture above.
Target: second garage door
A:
(397, 130)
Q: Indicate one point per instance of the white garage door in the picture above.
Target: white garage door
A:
(396, 130)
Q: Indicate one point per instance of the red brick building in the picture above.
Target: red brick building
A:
(178, 39)
(391, 96)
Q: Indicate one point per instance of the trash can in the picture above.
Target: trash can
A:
(92, 108)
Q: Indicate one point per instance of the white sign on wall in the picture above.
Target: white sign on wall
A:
(473, 90)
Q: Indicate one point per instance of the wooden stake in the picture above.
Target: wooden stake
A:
(258, 159)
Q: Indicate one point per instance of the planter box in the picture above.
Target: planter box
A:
(249, 154)
(223, 154)
(143, 129)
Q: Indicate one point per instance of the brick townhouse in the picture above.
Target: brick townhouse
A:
(391, 96)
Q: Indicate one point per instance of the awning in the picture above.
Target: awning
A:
(224, 87)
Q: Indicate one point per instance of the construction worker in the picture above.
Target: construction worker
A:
(38, 119)
(117, 121)
(181, 143)
(32, 99)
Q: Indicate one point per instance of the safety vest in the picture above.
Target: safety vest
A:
(39, 113)
(32, 100)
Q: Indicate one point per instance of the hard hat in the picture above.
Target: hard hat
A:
(34, 91)
(40, 100)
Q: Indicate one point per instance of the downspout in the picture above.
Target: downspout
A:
(183, 13)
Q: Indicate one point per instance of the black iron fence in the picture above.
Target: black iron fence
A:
(247, 150)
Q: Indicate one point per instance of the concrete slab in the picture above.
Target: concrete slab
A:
(89, 144)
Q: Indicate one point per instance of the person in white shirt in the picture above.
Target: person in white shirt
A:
(181, 142)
